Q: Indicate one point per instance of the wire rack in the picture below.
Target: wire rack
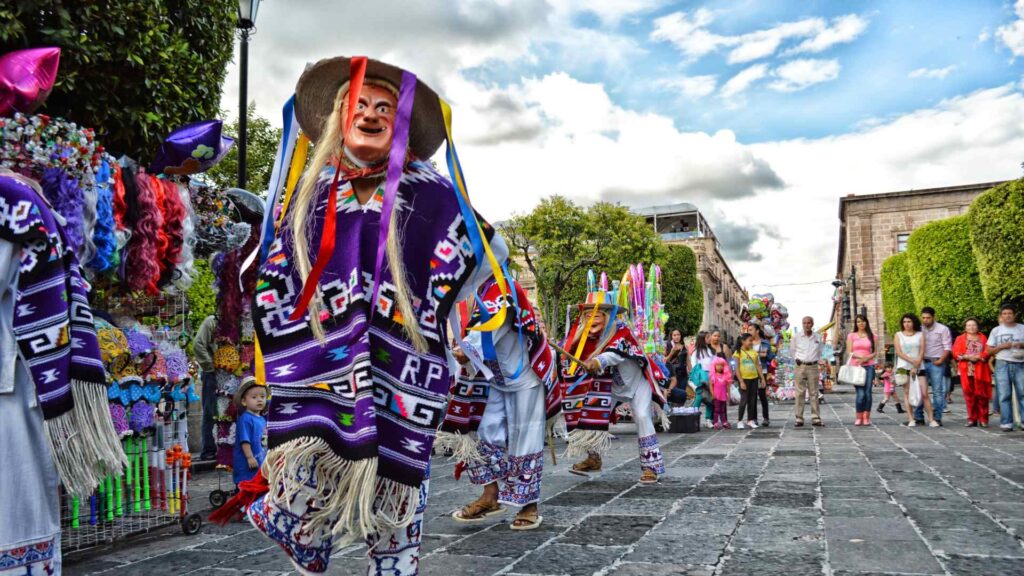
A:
(153, 491)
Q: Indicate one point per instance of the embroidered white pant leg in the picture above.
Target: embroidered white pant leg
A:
(398, 553)
(650, 451)
(525, 452)
(492, 435)
(29, 506)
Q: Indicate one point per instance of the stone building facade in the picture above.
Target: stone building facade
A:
(723, 295)
(873, 227)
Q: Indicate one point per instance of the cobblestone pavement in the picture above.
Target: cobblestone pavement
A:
(838, 500)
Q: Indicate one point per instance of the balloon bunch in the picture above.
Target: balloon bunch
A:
(764, 306)
(643, 296)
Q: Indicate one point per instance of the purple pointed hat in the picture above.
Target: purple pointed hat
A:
(192, 149)
(26, 78)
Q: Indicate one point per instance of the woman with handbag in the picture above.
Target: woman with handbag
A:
(970, 352)
(909, 357)
(861, 344)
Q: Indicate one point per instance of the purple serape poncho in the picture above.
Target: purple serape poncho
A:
(353, 418)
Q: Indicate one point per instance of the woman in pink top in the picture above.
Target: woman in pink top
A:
(861, 345)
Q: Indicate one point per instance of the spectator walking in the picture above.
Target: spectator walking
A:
(203, 349)
(910, 342)
(763, 346)
(889, 390)
(806, 349)
(938, 346)
(708, 347)
(861, 344)
(1006, 342)
(971, 353)
(751, 378)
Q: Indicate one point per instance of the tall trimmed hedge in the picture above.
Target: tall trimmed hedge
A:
(997, 239)
(897, 296)
(943, 274)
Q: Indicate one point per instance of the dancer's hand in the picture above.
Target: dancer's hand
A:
(460, 356)
(253, 464)
(593, 366)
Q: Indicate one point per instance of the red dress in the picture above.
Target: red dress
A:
(975, 377)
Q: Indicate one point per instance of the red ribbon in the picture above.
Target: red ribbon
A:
(357, 71)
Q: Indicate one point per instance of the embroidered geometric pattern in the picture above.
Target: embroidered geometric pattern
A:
(23, 556)
(650, 454)
(522, 479)
(493, 468)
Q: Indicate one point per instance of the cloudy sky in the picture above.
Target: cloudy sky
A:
(761, 113)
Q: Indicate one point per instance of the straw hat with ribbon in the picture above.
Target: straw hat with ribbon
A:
(318, 88)
(422, 123)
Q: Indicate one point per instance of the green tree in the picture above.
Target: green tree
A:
(262, 149)
(201, 297)
(997, 240)
(681, 291)
(943, 274)
(897, 296)
(559, 241)
(131, 69)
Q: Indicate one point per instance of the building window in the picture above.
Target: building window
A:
(901, 242)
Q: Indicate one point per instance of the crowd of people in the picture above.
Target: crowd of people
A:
(925, 361)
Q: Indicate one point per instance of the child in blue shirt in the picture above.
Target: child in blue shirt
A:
(251, 399)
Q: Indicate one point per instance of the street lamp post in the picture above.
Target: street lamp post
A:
(246, 22)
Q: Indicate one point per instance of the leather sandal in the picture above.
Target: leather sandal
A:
(526, 521)
(477, 511)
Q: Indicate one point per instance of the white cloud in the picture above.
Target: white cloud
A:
(937, 73)
(764, 43)
(689, 33)
(744, 79)
(588, 148)
(800, 74)
(610, 12)
(691, 86)
(1012, 34)
(844, 29)
(964, 140)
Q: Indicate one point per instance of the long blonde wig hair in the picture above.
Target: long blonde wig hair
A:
(301, 221)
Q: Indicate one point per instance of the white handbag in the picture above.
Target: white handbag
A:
(852, 375)
(915, 393)
(734, 394)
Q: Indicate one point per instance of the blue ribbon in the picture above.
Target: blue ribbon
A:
(284, 151)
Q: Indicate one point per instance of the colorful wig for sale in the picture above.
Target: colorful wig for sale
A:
(66, 197)
(142, 216)
(229, 297)
(174, 219)
(103, 233)
(186, 263)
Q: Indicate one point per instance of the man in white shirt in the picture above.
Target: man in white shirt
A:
(1006, 342)
(806, 349)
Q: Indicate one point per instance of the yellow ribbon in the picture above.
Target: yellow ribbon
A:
(586, 330)
(294, 172)
(498, 319)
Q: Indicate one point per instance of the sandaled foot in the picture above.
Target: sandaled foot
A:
(527, 521)
(477, 511)
(648, 477)
(591, 465)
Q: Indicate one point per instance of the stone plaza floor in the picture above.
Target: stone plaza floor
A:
(838, 500)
